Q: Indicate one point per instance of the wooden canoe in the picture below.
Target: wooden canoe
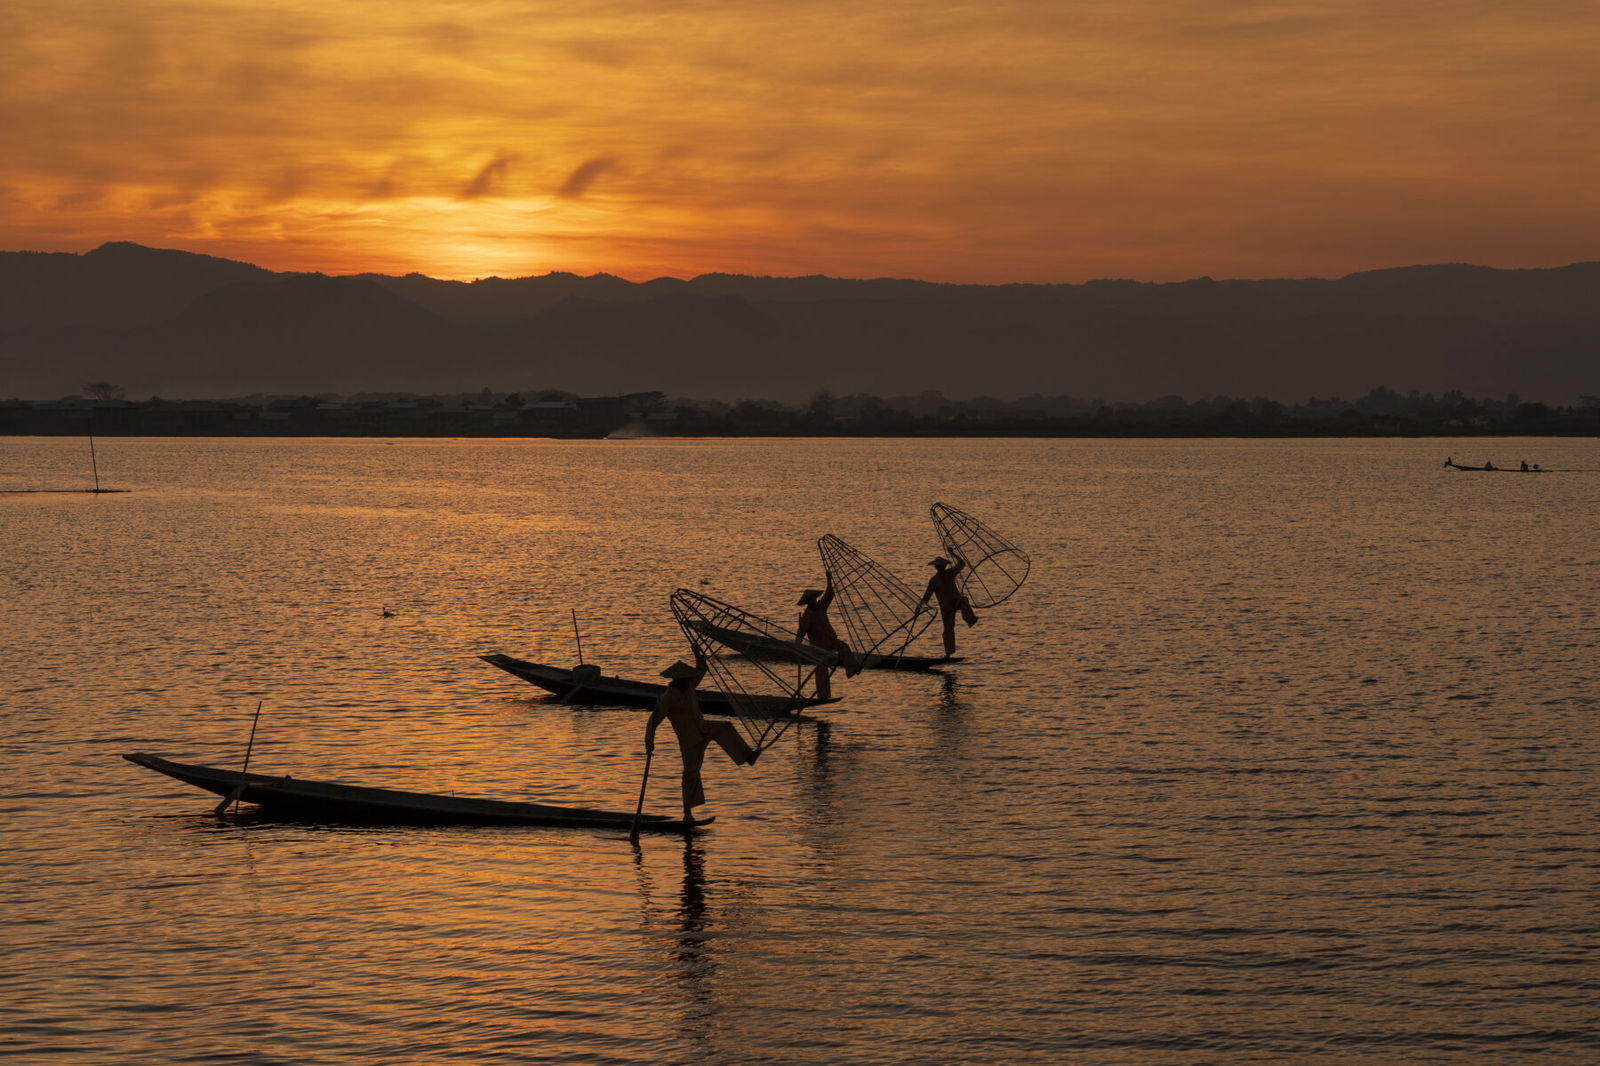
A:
(596, 689)
(757, 646)
(329, 802)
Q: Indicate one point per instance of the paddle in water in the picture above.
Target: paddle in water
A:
(638, 811)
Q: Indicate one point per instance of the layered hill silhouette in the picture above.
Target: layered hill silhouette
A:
(182, 325)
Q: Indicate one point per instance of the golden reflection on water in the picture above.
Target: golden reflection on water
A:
(1282, 752)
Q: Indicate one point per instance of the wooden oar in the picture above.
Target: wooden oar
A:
(638, 812)
(244, 774)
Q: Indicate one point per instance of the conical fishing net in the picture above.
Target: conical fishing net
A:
(995, 568)
(877, 611)
(767, 693)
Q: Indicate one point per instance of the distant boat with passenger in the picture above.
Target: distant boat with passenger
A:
(1488, 465)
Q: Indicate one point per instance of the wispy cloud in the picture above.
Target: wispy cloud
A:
(585, 175)
(489, 179)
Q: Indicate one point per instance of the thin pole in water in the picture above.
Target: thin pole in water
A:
(93, 460)
(580, 675)
(233, 797)
(638, 811)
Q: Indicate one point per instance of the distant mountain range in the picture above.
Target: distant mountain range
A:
(182, 325)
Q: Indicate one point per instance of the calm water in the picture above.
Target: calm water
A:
(1286, 753)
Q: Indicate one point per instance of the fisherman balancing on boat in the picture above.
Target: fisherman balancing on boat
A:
(815, 628)
(942, 586)
(680, 706)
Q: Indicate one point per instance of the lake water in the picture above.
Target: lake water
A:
(1285, 753)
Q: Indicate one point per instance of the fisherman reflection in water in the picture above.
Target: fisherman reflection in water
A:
(680, 706)
(815, 628)
(942, 586)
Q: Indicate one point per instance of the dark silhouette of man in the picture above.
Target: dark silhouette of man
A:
(815, 628)
(679, 705)
(942, 586)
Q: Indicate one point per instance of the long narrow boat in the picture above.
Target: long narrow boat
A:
(1495, 469)
(757, 646)
(592, 688)
(909, 662)
(327, 801)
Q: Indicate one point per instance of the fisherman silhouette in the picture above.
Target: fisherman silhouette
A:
(815, 628)
(942, 586)
(680, 706)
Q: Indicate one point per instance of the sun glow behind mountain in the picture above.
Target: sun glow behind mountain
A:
(1001, 142)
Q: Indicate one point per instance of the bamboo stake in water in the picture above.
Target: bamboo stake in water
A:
(579, 677)
(244, 774)
(95, 462)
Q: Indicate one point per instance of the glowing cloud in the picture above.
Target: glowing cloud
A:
(1043, 140)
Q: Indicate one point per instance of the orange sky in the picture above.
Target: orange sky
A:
(1054, 140)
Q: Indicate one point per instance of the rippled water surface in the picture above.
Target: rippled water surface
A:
(1285, 753)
